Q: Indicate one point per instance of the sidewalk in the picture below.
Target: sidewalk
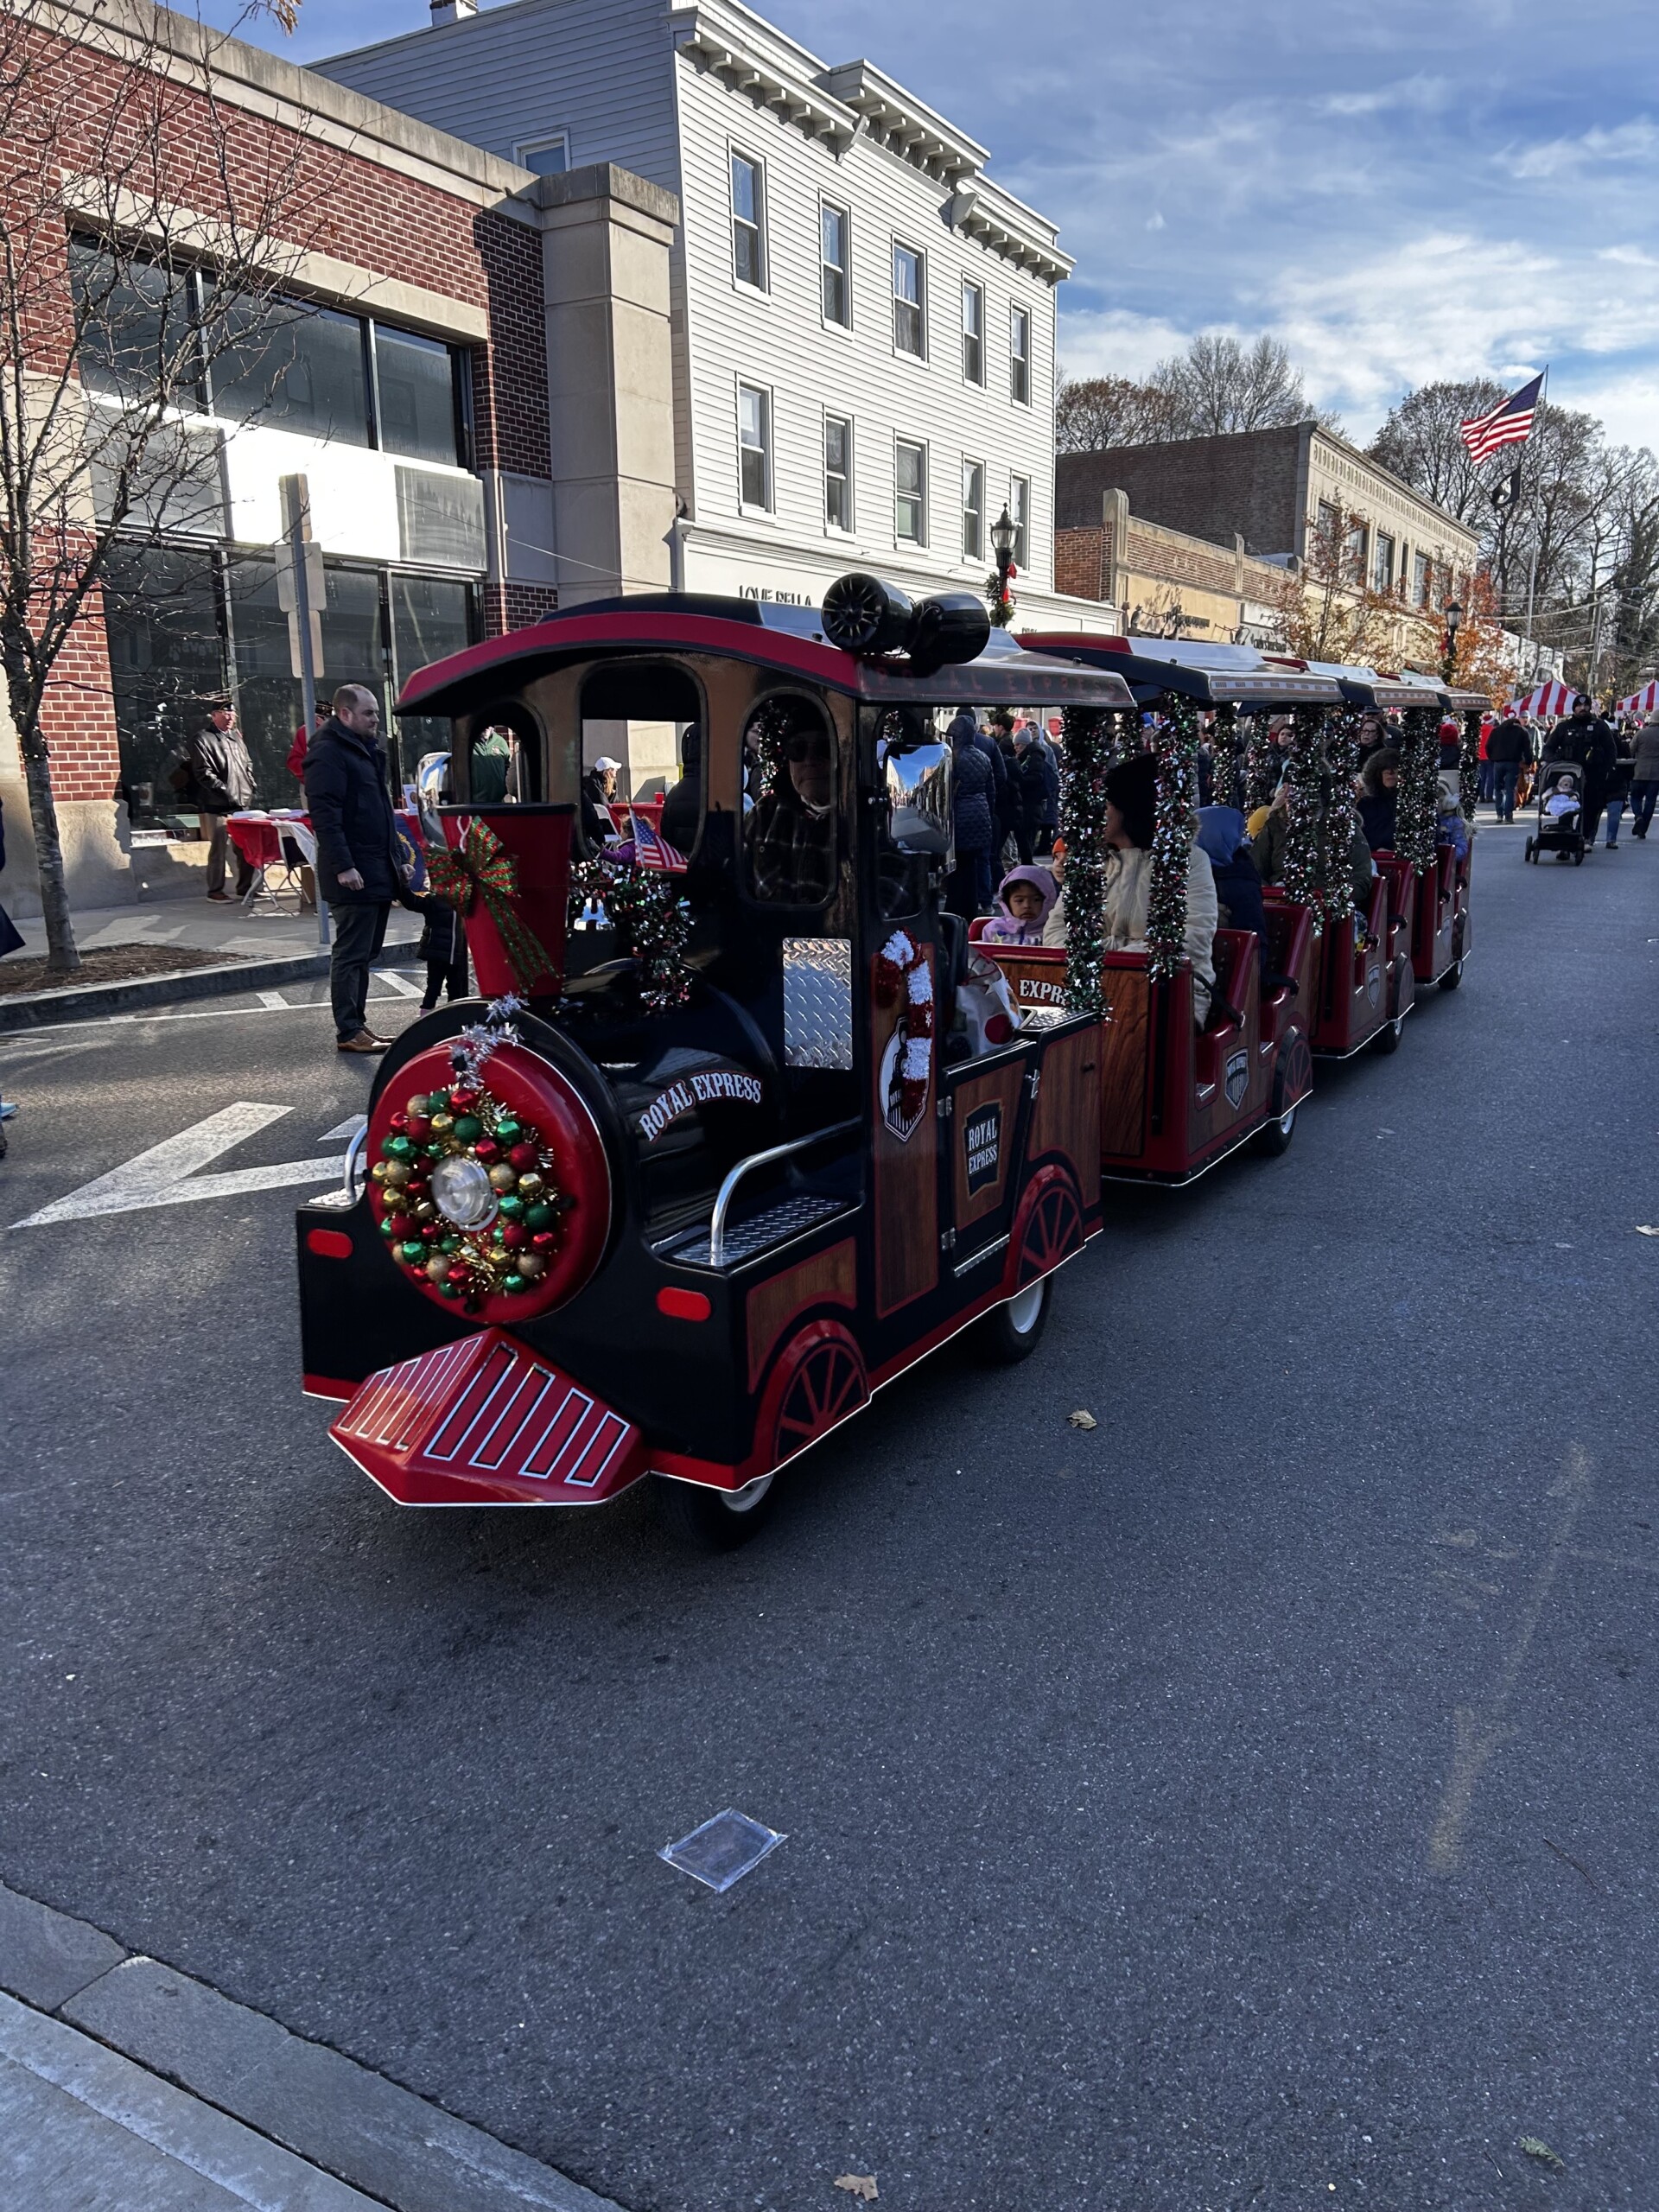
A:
(127, 2088)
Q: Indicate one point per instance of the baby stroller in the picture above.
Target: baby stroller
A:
(1561, 830)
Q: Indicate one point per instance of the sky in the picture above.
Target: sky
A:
(1400, 191)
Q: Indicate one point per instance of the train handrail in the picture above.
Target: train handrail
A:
(354, 1156)
(728, 1190)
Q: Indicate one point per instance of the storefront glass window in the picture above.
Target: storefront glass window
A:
(415, 378)
(294, 368)
(166, 652)
(429, 618)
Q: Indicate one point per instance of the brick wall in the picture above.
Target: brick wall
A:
(1209, 488)
(1082, 563)
(94, 117)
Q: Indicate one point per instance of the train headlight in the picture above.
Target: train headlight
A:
(462, 1192)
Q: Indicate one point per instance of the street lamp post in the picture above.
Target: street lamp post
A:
(1453, 616)
(1003, 533)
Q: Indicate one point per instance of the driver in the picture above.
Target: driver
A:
(791, 835)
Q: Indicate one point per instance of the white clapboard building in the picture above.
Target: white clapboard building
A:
(863, 324)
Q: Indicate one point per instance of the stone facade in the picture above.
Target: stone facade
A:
(1166, 582)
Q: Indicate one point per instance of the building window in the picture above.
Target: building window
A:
(1353, 553)
(832, 254)
(1019, 358)
(909, 320)
(748, 222)
(973, 511)
(837, 472)
(909, 494)
(1019, 516)
(1382, 563)
(1422, 574)
(972, 333)
(415, 395)
(545, 156)
(755, 447)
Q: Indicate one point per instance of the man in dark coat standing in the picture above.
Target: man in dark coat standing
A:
(224, 785)
(1508, 750)
(357, 864)
(1585, 737)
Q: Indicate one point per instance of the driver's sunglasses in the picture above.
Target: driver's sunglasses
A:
(806, 745)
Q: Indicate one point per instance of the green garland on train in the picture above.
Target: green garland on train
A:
(1305, 859)
(1088, 740)
(1177, 751)
(1417, 788)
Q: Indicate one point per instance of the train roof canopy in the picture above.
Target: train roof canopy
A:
(1364, 687)
(787, 638)
(1212, 675)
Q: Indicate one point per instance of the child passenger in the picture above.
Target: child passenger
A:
(1023, 898)
(1563, 798)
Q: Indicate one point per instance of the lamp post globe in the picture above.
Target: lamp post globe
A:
(1004, 531)
(1453, 618)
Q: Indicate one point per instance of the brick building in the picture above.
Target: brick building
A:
(1274, 492)
(1169, 583)
(427, 286)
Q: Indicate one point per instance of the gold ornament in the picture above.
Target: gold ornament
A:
(378, 1173)
(397, 1175)
(441, 1124)
(530, 1184)
(426, 1210)
(503, 1178)
(531, 1264)
(437, 1266)
(416, 1108)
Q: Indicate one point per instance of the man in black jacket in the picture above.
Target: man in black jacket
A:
(357, 864)
(1586, 738)
(1507, 749)
(224, 785)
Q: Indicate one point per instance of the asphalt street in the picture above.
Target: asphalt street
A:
(1249, 1803)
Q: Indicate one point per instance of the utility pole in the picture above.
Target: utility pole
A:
(301, 589)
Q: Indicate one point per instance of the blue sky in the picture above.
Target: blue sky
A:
(1402, 190)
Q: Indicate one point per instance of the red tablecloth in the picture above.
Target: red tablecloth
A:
(259, 839)
(651, 809)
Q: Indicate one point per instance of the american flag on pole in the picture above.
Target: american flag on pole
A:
(652, 849)
(1509, 423)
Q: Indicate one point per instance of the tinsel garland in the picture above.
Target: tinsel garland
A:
(1305, 773)
(1171, 837)
(1260, 766)
(1341, 813)
(1088, 740)
(1227, 758)
(1417, 788)
(1468, 767)
(651, 921)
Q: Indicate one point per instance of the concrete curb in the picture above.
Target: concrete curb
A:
(79, 1001)
(324, 2107)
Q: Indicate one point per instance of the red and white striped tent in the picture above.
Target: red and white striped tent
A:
(1645, 702)
(1551, 698)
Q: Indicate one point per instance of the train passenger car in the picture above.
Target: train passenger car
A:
(733, 1142)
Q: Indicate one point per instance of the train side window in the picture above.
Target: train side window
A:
(791, 774)
(644, 719)
(503, 758)
(914, 845)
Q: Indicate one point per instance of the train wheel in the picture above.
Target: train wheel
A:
(1291, 1071)
(715, 1520)
(1011, 1331)
(1387, 1038)
(1452, 976)
(1054, 1230)
(1531, 852)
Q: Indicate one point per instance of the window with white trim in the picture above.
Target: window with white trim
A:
(748, 222)
(910, 492)
(755, 447)
(1019, 516)
(836, 286)
(1020, 357)
(837, 472)
(973, 510)
(972, 333)
(909, 302)
(545, 156)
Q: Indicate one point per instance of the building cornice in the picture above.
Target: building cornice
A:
(730, 43)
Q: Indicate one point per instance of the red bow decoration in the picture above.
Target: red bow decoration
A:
(482, 867)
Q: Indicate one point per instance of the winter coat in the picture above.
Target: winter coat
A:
(1377, 818)
(1589, 740)
(224, 772)
(1623, 771)
(973, 793)
(1036, 782)
(1647, 752)
(1125, 894)
(597, 826)
(1510, 741)
(682, 811)
(352, 816)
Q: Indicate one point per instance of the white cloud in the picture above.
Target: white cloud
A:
(1115, 343)
(1628, 405)
(1154, 221)
(1627, 142)
(1419, 95)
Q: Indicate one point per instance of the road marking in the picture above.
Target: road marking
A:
(274, 1000)
(1480, 1731)
(345, 1130)
(221, 1012)
(168, 1174)
(401, 984)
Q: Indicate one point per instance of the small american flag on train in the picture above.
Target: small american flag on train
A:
(652, 849)
(1509, 423)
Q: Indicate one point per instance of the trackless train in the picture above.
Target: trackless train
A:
(735, 1135)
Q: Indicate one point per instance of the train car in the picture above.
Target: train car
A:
(1178, 1097)
(724, 1146)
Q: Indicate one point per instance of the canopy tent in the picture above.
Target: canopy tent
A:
(1551, 698)
(1645, 702)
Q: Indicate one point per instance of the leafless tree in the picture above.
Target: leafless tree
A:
(1092, 413)
(1215, 386)
(147, 234)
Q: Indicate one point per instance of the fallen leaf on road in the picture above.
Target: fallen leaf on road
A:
(1543, 2152)
(1082, 1420)
(862, 2185)
(1646, 1229)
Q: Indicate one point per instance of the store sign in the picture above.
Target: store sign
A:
(777, 598)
